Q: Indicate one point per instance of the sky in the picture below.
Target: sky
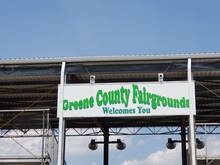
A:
(75, 28)
(140, 150)
(69, 28)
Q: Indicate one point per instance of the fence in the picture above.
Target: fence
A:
(210, 154)
(24, 136)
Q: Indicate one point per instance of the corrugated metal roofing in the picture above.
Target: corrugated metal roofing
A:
(32, 83)
(111, 58)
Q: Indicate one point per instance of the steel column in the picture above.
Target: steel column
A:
(183, 141)
(192, 144)
(61, 119)
(106, 146)
(42, 151)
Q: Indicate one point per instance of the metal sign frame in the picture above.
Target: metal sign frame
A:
(191, 131)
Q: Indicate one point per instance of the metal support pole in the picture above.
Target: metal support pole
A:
(64, 141)
(53, 148)
(183, 141)
(106, 145)
(47, 132)
(206, 148)
(192, 144)
(61, 120)
(42, 151)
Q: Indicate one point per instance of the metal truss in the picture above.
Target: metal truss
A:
(16, 133)
(163, 130)
(208, 129)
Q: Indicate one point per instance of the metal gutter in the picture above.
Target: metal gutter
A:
(109, 58)
(26, 110)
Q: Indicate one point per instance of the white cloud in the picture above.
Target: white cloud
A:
(21, 146)
(164, 156)
(134, 162)
(171, 157)
(77, 145)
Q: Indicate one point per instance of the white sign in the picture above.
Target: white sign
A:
(126, 99)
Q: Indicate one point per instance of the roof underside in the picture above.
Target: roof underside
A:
(33, 85)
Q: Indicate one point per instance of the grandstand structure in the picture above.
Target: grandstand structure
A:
(29, 102)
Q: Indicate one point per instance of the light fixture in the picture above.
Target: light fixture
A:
(199, 144)
(171, 144)
(160, 77)
(120, 145)
(92, 79)
(93, 145)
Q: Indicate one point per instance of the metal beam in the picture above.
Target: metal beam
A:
(110, 58)
(61, 119)
(192, 144)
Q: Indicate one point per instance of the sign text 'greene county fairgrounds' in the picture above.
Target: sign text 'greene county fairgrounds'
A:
(127, 99)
